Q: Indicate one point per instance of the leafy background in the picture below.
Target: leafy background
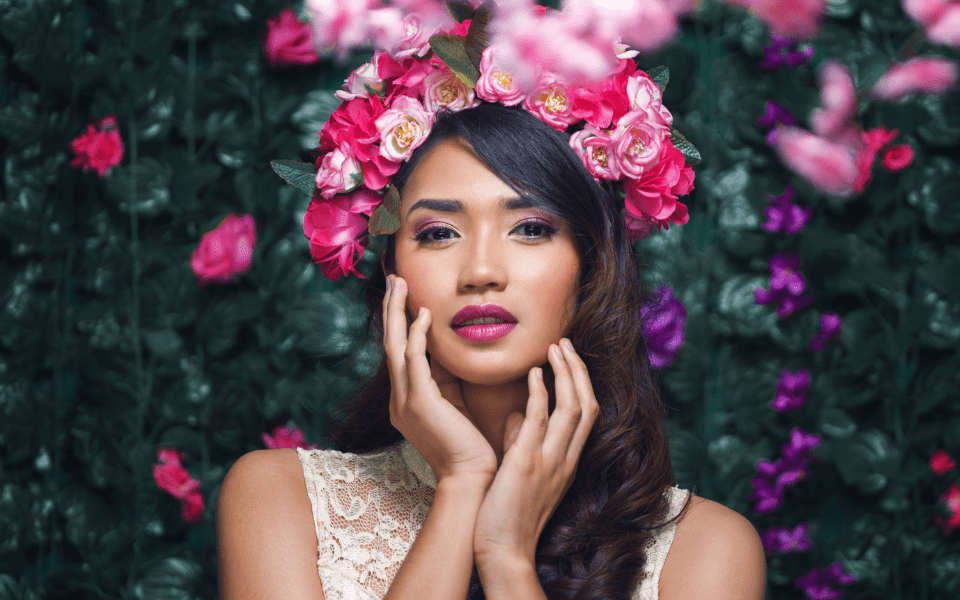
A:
(109, 350)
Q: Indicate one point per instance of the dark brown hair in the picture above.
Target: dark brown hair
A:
(594, 546)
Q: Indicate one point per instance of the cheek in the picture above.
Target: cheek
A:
(554, 285)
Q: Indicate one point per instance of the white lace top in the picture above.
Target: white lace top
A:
(368, 508)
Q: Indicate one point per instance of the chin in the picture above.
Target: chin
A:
(489, 370)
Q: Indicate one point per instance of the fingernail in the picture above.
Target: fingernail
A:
(568, 344)
(540, 373)
(422, 310)
(556, 350)
(389, 283)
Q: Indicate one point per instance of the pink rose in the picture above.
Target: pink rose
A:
(940, 19)
(828, 166)
(925, 75)
(403, 78)
(550, 102)
(592, 146)
(645, 95)
(99, 148)
(654, 193)
(225, 251)
(289, 41)
(605, 102)
(175, 480)
(495, 84)
(636, 143)
(787, 18)
(285, 436)
(897, 158)
(353, 125)
(336, 230)
(403, 128)
(443, 89)
(339, 172)
(362, 81)
(838, 97)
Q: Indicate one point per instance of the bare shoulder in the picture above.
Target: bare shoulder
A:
(266, 538)
(716, 553)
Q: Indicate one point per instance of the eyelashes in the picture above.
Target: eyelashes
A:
(531, 229)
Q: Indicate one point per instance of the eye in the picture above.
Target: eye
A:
(436, 234)
(536, 230)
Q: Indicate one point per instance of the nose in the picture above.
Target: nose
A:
(483, 264)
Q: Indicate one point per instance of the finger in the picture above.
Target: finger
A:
(395, 334)
(537, 416)
(566, 415)
(589, 408)
(415, 355)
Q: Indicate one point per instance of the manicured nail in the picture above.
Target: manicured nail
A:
(422, 310)
(567, 343)
(540, 373)
(556, 350)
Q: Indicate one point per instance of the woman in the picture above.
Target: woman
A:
(516, 426)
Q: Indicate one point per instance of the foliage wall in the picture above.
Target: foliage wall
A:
(110, 350)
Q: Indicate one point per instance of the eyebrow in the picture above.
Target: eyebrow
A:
(456, 206)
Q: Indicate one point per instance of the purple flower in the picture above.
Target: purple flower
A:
(783, 216)
(820, 584)
(829, 329)
(786, 285)
(791, 390)
(783, 540)
(776, 114)
(784, 52)
(773, 478)
(767, 489)
(663, 319)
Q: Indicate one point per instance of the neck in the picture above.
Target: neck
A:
(490, 405)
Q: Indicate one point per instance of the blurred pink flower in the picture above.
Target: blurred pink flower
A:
(828, 166)
(99, 148)
(340, 26)
(792, 19)
(923, 75)
(941, 462)
(940, 19)
(950, 501)
(834, 120)
(286, 436)
(289, 41)
(897, 158)
(872, 142)
(172, 478)
(225, 251)
(336, 231)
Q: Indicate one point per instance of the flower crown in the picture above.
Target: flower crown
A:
(619, 128)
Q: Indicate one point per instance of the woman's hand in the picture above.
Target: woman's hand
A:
(426, 404)
(541, 451)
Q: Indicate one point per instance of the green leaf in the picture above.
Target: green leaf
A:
(477, 37)
(453, 52)
(461, 11)
(690, 153)
(386, 217)
(660, 76)
(302, 176)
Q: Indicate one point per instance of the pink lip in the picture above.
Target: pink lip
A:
(486, 332)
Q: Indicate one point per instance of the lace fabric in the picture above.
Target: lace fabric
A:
(367, 510)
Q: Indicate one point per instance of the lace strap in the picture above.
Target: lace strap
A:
(649, 588)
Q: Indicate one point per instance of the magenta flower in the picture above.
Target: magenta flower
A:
(172, 478)
(783, 216)
(829, 329)
(821, 584)
(285, 436)
(783, 52)
(791, 390)
(783, 540)
(786, 285)
(775, 114)
(289, 41)
(773, 478)
(767, 489)
(663, 319)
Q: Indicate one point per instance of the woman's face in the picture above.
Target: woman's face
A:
(466, 239)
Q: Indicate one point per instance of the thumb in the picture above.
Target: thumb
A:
(511, 430)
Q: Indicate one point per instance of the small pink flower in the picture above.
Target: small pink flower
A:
(838, 99)
(496, 84)
(636, 143)
(787, 18)
(592, 145)
(403, 128)
(872, 141)
(289, 41)
(339, 172)
(443, 89)
(175, 480)
(830, 167)
(897, 158)
(363, 81)
(923, 75)
(226, 251)
(286, 436)
(941, 462)
(940, 19)
(99, 148)
(950, 500)
(336, 230)
(550, 102)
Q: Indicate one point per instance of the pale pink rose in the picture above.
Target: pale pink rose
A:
(289, 41)
(225, 251)
(645, 95)
(592, 146)
(285, 436)
(363, 81)
(838, 99)
(496, 84)
(924, 75)
(787, 18)
(339, 172)
(940, 19)
(337, 232)
(550, 102)
(443, 89)
(636, 143)
(828, 166)
(403, 127)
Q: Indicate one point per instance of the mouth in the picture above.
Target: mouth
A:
(485, 323)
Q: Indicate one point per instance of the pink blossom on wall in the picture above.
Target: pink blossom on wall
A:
(99, 148)
(175, 480)
(289, 41)
(921, 75)
(226, 251)
(286, 436)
